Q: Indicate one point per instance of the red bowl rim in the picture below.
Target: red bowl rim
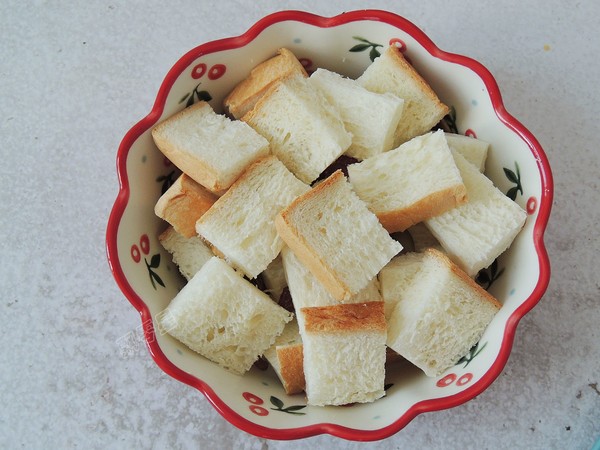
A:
(543, 215)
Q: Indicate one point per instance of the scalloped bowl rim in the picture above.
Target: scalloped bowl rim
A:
(423, 406)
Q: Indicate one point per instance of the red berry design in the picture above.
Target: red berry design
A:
(531, 205)
(216, 71)
(470, 133)
(254, 399)
(399, 44)
(145, 244)
(258, 410)
(464, 379)
(198, 71)
(447, 380)
(135, 253)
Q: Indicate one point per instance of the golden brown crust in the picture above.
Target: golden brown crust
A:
(291, 359)
(345, 318)
(198, 170)
(183, 204)
(464, 277)
(303, 251)
(399, 59)
(246, 93)
(426, 208)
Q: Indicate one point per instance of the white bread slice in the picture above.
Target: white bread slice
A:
(395, 278)
(476, 233)
(422, 107)
(411, 183)
(224, 317)
(286, 358)
(344, 353)
(183, 204)
(209, 147)
(333, 233)
(305, 132)
(440, 315)
(371, 117)
(246, 93)
(189, 254)
(274, 278)
(472, 149)
(240, 224)
(307, 291)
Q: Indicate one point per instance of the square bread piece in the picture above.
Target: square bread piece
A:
(344, 353)
(286, 358)
(396, 277)
(372, 118)
(333, 233)
(473, 150)
(422, 107)
(411, 183)
(183, 204)
(305, 132)
(476, 233)
(209, 147)
(306, 290)
(440, 315)
(224, 317)
(189, 254)
(240, 225)
(246, 93)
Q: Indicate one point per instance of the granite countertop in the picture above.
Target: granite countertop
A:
(75, 77)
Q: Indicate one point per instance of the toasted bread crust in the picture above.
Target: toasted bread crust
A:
(291, 360)
(246, 93)
(305, 253)
(457, 271)
(345, 318)
(183, 204)
(429, 206)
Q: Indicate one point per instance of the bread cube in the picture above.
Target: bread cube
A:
(224, 317)
(411, 183)
(240, 225)
(209, 147)
(333, 233)
(189, 254)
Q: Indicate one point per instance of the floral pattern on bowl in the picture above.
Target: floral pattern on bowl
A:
(346, 44)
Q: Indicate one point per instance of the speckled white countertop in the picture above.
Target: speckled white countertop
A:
(75, 76)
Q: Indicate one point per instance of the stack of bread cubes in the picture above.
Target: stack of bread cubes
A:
(252, 203)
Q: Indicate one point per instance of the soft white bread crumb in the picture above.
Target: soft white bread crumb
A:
(472, 149)
(224, 317)
(344, 353)
(189, 254)
(440, 315)
(274, 278)
(305, 132)
(286, 358)
(209, 147)
(183, 204)
(476, 233)
(411, 183)
(241, 223)
(306, 290)
(371, 117)
(422, 108)
(333, 233)
(396, 277)
(246, 93)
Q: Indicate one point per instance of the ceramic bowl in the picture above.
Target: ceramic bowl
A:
(346, 44)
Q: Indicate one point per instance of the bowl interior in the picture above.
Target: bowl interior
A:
(256, 402)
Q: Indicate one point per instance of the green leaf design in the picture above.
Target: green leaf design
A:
(361, 39)
(204, 96)
(512, 193)
(276, 402)
(512, 177)
(360, 47)
(155, 261)
(184, 97)
(157, 278)
(374, 54)
(294, 408)
(190, 101)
